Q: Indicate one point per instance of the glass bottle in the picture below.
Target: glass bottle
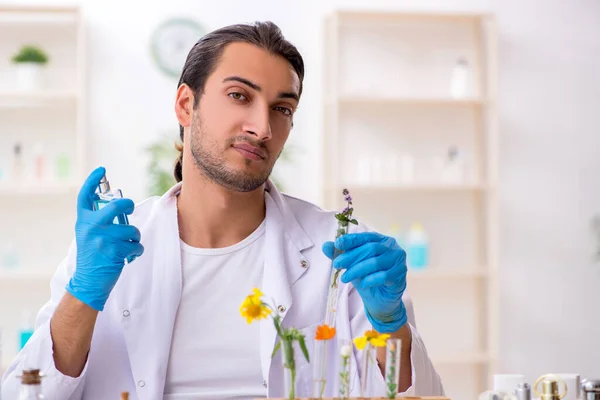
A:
(104, 196)
(31, 385)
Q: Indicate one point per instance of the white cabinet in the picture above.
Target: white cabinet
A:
(45, 126)
(410, 130)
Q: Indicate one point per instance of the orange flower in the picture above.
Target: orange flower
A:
(325, 332)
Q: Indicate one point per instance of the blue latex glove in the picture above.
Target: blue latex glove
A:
(376, 267)
(102, 246)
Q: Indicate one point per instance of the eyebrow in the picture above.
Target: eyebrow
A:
(282, 95)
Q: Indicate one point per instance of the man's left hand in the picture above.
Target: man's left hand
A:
(376, 266)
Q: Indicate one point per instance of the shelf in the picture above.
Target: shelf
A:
(387, 16)
(38, 188)
(417, 187)
(37, 99)
(433, 274)
(461, 359)
(34, 15)
(359, 100)
(25, 275)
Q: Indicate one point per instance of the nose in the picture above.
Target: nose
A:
(258, 123)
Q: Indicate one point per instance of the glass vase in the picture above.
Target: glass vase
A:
(320, 356)
(368, 364)
(289, 369)
(332, 295)
(392, 366)
(319, 361)
(344, 374)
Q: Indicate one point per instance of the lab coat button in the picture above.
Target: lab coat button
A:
(265, 384)
(126, 313)
(281, 309)
(303, 263)
(141, 383)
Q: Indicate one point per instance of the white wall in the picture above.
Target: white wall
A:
(549, 122)
(549, 94)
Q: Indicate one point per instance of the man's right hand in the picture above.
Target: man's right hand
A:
(102, 246)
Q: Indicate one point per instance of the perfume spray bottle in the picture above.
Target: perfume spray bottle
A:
(104, 196)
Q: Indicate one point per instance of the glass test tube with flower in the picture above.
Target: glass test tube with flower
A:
(392, 366)
(367, 344)
(254, 308)
(344, 219)
(344, 385)
(323, 334)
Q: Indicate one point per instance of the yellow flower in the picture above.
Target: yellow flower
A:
(253, 308)
(360, 342)
(376, 339)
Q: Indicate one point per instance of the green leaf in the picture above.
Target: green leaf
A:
(303, 347)
(277, 346)
(353, 221)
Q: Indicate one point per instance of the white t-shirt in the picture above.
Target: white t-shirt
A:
(215, 354)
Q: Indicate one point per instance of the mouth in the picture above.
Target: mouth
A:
(249, 151)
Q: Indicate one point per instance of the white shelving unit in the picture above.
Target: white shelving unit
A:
(37, 210)
(390, 119)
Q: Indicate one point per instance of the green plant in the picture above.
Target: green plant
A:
(30, 54)
(162, 155)
(284, 157)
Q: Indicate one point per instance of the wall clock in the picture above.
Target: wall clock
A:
(171, 42)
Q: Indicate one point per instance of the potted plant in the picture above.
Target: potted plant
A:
(29, 62)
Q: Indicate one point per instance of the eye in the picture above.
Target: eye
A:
(237, 96)
(284, 110)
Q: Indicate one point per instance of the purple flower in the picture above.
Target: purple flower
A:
(347, 196)
(346, 210)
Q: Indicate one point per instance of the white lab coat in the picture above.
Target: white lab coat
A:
(132, 338)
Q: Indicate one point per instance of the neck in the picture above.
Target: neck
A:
(211, 216)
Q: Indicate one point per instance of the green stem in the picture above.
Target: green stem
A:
(322, 389)
(293, 384)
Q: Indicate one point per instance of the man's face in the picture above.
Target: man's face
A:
(244, 117)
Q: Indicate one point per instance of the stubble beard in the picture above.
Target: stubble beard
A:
(214, 166)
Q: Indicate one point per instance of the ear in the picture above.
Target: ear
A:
(184, 104)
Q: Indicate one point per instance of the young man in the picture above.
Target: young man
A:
(168, 325)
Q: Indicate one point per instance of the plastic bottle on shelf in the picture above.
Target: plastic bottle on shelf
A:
(417, 247)
(10, 256)
(26, 330)
(17, 163)
(39, 162)
(62, 167)
(460, 79)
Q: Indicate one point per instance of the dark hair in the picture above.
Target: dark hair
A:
(204, 56)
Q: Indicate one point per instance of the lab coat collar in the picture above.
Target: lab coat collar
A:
(151, 304)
